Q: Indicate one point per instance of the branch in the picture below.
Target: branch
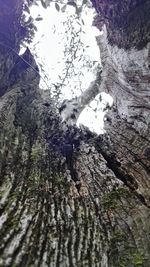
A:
(70, 110)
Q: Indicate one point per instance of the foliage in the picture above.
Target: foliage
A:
(73, 46)
(46, 3)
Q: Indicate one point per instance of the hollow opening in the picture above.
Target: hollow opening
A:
(67, 54)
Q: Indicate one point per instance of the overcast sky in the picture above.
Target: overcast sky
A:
(49, 45)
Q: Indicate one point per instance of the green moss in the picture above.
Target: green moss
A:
(60, 181)
(36, 153)
(123, 252)
(110, 200)
(138, 259)
(135, 259)
(57, 180)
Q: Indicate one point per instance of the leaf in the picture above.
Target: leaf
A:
(29, 21)
(35, 28)
(26, 9)
(57, 7)
(47, 2)
(43, 4)
(39, 18)
(34, 3)
(84, 2)
(63, 9)
(71, 3)
(78, 11)
(82, 21)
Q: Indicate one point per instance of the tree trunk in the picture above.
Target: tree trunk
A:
(67, 197)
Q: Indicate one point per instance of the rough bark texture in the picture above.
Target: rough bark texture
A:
(69, 198)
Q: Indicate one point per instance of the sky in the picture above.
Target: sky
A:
(52, 38)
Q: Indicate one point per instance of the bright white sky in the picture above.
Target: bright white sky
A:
(49, 45)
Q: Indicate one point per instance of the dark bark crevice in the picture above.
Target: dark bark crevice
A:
(127, 179)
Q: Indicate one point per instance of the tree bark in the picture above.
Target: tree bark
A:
(68, 197)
